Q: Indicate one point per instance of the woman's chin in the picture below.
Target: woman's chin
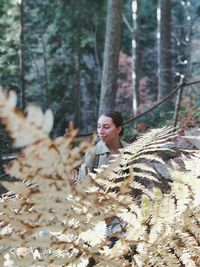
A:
(103, 139)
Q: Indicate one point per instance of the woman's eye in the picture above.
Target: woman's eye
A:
(104, 127)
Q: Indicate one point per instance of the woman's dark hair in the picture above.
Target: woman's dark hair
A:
(116, 118)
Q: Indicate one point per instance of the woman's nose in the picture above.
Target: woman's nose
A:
(100, 129)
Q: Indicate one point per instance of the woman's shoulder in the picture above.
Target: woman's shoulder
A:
(124, 144)
(101, 148)
(90, 156)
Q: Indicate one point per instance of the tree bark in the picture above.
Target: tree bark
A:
(22, 55)
(164, 50)
(136, 55)
(46, 83)
(111, 55)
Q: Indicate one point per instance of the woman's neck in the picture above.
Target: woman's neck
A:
(114, 146)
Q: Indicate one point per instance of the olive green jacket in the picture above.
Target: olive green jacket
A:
(99, 156)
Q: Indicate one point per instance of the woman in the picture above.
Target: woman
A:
(109, 129)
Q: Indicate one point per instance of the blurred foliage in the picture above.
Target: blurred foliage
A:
(48, 220)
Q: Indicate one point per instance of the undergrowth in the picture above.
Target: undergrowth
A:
(50, 221)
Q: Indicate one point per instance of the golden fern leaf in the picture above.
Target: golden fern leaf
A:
(66, 224)
(28, 130)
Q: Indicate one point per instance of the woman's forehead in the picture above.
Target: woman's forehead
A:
(105, 120)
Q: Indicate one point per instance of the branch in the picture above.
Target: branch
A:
(182, 85)
(127, 24)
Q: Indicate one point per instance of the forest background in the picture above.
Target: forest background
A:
(81, 57)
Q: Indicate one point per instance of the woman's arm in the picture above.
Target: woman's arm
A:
(88, 164)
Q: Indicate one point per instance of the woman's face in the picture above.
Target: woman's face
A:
(107, 130)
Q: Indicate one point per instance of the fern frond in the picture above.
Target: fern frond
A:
(24, 131)
(51, 220)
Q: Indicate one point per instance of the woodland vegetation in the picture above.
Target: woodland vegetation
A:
(120, 216)
(77, 58)
(66, 61)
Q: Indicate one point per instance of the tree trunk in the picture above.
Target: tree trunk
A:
(77, 95)
(22, 56)
(46, 83)
(111, 55)
(186, 62)
(164, 49)
(136, 55)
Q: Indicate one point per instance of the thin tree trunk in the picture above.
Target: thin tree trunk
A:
(46, 85)
(22, 55)
(164, 49)
(96, 56)
(77, 86)
(182, 36)
(188, 39)
(111, 55)
(136, 55)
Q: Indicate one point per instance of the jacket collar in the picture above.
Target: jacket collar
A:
(101, 147)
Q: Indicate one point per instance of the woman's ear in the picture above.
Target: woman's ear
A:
(119, 129)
